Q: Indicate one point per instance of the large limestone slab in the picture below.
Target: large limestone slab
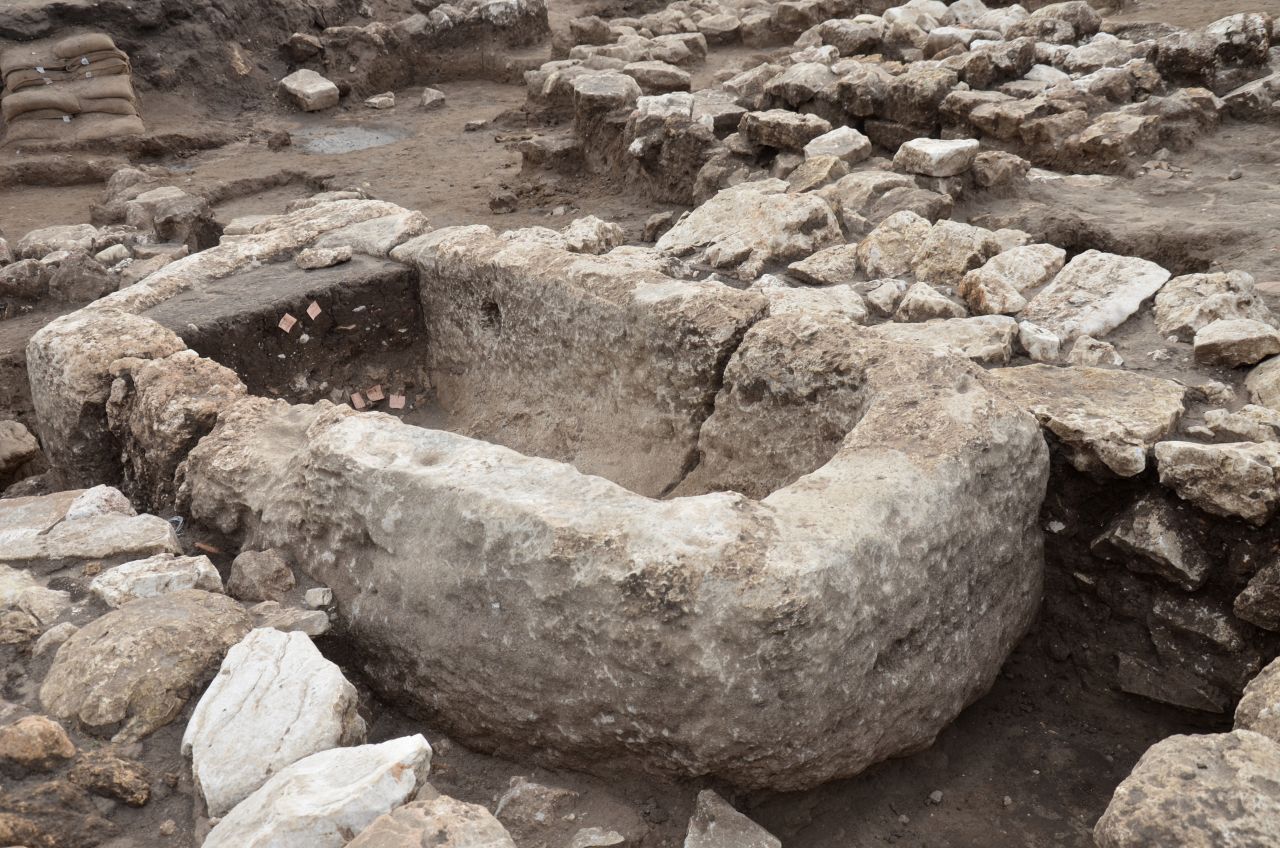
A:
(48, 532)
(517, 329)
(1095, 293)
(987, 339)
(131, 671)
(1214, 791)
(744, 228)
(275, 701)
(442, 822)
(321, 801)
(666, 605)
(1103, 418)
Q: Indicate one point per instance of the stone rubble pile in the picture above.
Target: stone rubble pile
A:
(1047, 86)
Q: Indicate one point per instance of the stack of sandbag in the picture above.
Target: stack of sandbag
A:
(77, 88)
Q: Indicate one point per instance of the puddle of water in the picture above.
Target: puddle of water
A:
(330, 140)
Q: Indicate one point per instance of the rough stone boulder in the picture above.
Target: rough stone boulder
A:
(157, 575)
(1214, 791)
(70, 360)
(1235, 341)
(131, 671)
(1102, 418)
(1186, 304)
(324, 800)
(891, 561)
(274, 687)
(51, 531)
(741, 229)
(782, 129)
(716, 824)
(935, 157)
(442, 822)
(1154, 536)
(1095, 293)
(310, 91)
(1259, 709)
(1239, 479)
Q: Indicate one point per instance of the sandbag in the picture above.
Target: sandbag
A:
(38, 99)
(29, 56)
(42, 115)
(109, 106)
(74, 89)
(106, 66)
(98, 127)
(72, 98)
(80, 45)
(35, 131)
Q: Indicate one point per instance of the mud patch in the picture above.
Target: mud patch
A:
(335, 140)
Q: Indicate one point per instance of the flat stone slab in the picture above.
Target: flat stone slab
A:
(1104, 419)
(1095, 293)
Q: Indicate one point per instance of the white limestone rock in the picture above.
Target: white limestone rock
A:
(35, 532)
(782, 129)
(1217, 790)
(844, 143)
(323, 800)
(888, 250)
(312, 622)
(829, 266)
(1188, 303)
(1235, 341)
(315, 258)
(592, 235)
(923, 302)
(1263, 383)
(933, 157)
(986, 339)
(310, 91)
(1027, 266)
(385, 100)
(1259, 708)
(1250, 423)
(716, 824)
(841, 301)
(274, 701)
(951, 250)
(99, 500)
(1090, 351)
(1238, 479)
(886, 296)
(1095, 293)
(1105, 419)
(21, 591)
(742, 228)
(157, 575)
(441, 822)
(1037, 343)
(1152, 537)
(432, 98)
